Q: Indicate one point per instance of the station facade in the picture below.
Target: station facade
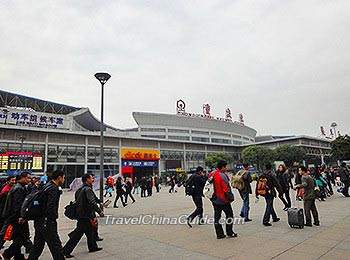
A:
(42, 136)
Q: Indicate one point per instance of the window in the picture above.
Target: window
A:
(200, 132)
(154, 136)
(220, 141)
(220, 134)
(200, 139)
(178, 131)
(152, 129)
(174, 137)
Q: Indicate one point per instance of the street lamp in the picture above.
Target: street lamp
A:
(22, 138)
(102, 77)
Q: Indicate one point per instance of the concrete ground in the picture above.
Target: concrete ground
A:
(331, 240)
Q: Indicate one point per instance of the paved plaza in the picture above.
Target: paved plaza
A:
(331, 240)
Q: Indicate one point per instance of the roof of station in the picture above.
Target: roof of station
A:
(166, 120)
(8, 99)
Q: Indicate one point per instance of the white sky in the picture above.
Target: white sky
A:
(285, 65)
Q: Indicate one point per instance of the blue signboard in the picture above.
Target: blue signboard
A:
(140, 163)
(251, 168)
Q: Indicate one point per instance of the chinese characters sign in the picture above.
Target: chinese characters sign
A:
(13, 116)
(139, 154)
(180, 109)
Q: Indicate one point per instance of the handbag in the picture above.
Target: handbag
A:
(8, 233)
(317, 192)
(70, 211)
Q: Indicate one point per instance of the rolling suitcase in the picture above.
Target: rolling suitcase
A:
(295, 216)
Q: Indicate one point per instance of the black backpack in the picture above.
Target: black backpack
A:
(70, 211)
(32, 207)
(190, 188)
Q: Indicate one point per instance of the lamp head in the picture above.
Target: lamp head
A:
(102, 77)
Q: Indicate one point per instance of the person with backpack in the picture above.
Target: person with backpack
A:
(266, 187)
(194, 187)
(143, 186)
(128, 188)
(284, 180)
(244, 191)
(120, 190)
(109, 186)
(86, 208)
(309, 196)
(46, 225)
(222, 199)
(12, 213)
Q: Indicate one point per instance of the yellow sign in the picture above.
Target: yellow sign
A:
(139, 154)
(178, 169)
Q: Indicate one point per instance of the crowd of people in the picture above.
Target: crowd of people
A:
(310, 185)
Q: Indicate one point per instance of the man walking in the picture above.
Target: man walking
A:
(11, 181)
(197, 182)
(266, 185)
(245, 191)
(309, 196)
(157, 182)
(128, 188)
(12, 212)
(46, 225)
(222, 199)
(86, 208)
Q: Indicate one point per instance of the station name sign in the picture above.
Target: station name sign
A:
(180, 109)
(24, 117)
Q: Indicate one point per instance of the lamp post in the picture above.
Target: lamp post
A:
(21, 167)
(102, 77)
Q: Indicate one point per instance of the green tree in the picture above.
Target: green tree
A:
(289, 154)
(258, 155)
(212, 160)
(340, 148)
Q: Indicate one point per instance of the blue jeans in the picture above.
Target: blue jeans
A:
(245, 207)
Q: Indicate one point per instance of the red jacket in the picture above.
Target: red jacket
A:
(222, 188)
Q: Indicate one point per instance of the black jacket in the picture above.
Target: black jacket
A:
(143, 183)
(283, 179)
(198, 182)
(51, 198)
(86, 203)
(119, 187)
(344, 174)
(128, 187)
(272, 183)
(14, 202)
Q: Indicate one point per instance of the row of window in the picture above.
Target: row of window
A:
(184, 131)
(195, 139)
